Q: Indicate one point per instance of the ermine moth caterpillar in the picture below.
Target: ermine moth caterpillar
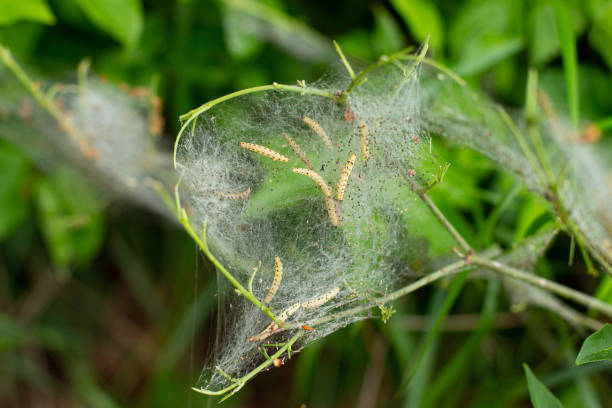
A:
(331, 210)
(233, 196)
(319, 131)
(296, 149)
(346, 172)
(321, 300)
(365, 137)
(265, 333)
(316, 178)
(264, 151)
(278, 275)
(288, 312)
(272, 327)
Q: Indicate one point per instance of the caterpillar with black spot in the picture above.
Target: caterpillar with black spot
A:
(346, 172)
(233, 196)
(330, 204)
(264, 151)
(318, 129)
(314, 176)
(321, 300)
(272, 327)
(276, 281)
(290, 311)
(365, 137)
(296, 149)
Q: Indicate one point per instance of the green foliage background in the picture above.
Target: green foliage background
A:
(98, 304)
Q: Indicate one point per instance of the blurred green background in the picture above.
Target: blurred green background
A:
(112, 306)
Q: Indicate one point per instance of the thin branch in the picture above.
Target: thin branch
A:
(243, 380)
(344, 60)
(445, 222)
(449, 270)
(404, 54)
(190, 116)
(551, 286)
(504, 270)
(43, 100)
(201, 242)
(518, 135)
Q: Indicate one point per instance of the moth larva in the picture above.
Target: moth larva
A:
(316, 178)
(321, 300)
(264, 151)
(233, 196)
(296, 149)
(278, 275)
(288, 312)
(365, 137)
(272, 327)
(319, 131)
(346, 172)
(331, 210)
(267, 332)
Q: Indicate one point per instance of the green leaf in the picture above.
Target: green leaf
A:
(239, 37)
(541, 397)
(423, 19)
(14, 195)
(596, 347)
(70, 219)
(356, 43)
(565, 29)
(542, 34)
(462, 361)
(478, 24)
(121, 19)
(249, 24)
(604, 290)
(488, 55)
(12, 11)
(600, 35)
(387, 36)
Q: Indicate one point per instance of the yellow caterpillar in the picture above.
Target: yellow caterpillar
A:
(233, 196)
(316, 178)
(321, 300)
(264, 151)
(272, 327)
(278, 275)
(291, 310)
(346, 172)
(319, 131)
(365, 136)
(296, 149)
(330, 204)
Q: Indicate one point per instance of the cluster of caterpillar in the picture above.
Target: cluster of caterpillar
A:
(330, 203)
(291, 310)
